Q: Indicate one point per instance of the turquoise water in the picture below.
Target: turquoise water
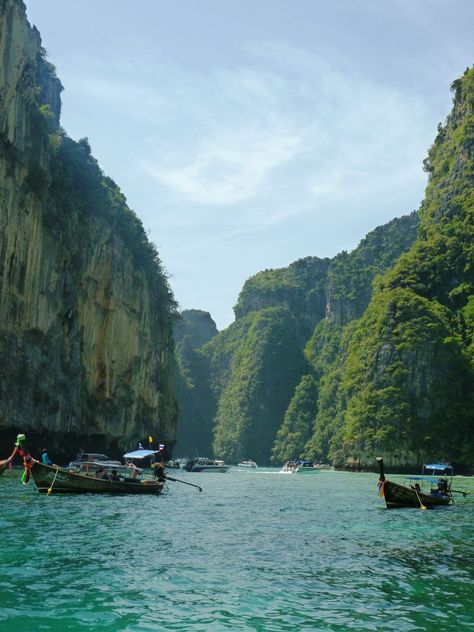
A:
(257, 550)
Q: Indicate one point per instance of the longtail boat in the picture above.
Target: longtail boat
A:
(57, 480)
(397, 495)
(3, 467)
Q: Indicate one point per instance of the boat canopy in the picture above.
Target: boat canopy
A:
(439, 467)
(422, 478)
(140, 454)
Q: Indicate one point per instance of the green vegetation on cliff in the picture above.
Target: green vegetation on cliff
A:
(197, 406)
(404, 385)
(265, 369)
(300, 288)
(297, 426)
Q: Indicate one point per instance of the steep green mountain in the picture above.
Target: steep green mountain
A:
(86, 312)
(403, 385)
(197, 406)
(248, 373)
(264, 371)
(390, 358)
(371, 351)
(348, 292)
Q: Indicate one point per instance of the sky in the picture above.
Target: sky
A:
(247, 134)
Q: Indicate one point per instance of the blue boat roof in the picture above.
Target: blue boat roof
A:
(422, 478)
(441, 467)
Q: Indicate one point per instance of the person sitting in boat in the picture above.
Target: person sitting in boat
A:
(114, 476)
(159, 470)
(442, 487)
(134, 472)
(45, 457)
(102, 473)
(416, 487)
(21, 448)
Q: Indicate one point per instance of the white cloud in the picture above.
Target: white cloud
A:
(287, 132)
(294, 125)
(227, 169)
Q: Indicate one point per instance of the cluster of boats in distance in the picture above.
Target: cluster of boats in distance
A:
(301, 466)
(200, 464)
(97, 473)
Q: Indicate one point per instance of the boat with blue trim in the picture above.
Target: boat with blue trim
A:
(431, 489)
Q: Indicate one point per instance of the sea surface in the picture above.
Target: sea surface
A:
(256, 550)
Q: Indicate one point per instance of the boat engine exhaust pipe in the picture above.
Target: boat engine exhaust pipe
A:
(382, 473)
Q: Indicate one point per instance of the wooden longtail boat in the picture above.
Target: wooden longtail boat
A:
(3, 467)
(402, 496)
(56, 480)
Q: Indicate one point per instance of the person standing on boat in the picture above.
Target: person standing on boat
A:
(21, 448)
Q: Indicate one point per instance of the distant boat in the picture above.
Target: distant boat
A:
(91, 458)
(414, 495)
(299, 466)
(202, 464)
(247, 464)
(324, 466)
(306, 467)
(56, 480)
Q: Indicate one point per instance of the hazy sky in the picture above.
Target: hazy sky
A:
(247, 134)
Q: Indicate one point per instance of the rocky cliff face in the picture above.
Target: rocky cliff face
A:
(300, 288)
(85, 312)
(197, 405)
(197, 326)
(350, 275)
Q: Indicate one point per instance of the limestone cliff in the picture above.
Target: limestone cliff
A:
(197, 403)
(86, 312)
(195, 325)
(300, 288)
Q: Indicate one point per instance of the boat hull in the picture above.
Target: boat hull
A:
(400, 496)
(55, 480)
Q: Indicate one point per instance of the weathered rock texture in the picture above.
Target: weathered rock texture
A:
(86, 348)
(195, 327)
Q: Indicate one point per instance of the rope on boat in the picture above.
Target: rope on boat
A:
(50, 489)
(421, 504)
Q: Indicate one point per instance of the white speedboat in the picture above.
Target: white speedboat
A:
(299, 467)
(247, 464)
(206, 465)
